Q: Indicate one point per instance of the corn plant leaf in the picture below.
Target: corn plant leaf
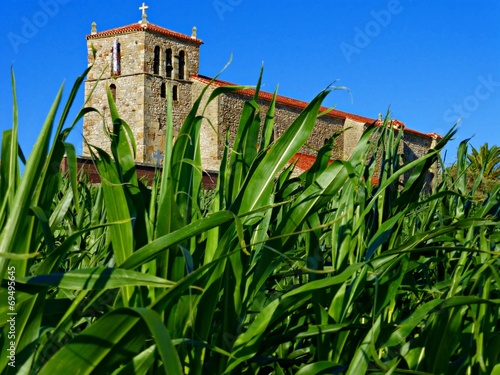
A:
(443, 334)
(140, 364)
(50, 174)
(9, 179)
(361, 360)
(53, 260)
(257, 189)
(116, 207)
(321, 367)
(153, 249)
(244, 149)
(268, 128)
(459, 301)
(124, 150)
(91, 350)
(44, 223)
(96, 279)
(406, 327)
(61, 209)
(247, 344)
(73, 172)
(12, 232)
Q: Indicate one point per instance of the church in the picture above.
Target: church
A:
(141, 62)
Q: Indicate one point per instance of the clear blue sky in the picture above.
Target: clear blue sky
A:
(430, 61)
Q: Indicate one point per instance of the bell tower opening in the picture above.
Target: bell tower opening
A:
(175, 96)
(182, 64)
(168, 63)
(156, 61)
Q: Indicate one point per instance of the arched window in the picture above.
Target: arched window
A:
(174, 93)
(168, 63)
(112, 88)
(182, 64)
(156, 62)
(163, 90)
(116, 56)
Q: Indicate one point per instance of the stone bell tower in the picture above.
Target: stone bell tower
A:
(139, 63)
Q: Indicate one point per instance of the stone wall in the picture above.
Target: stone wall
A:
(129, 98)
(156, 108)
(132, 55)
(415, 146)
(353, 131)
(155, 119)
(210, 139)
(231, 106)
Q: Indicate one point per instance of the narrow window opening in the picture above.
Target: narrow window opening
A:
(163, 90)
(156, 62)
(182, 64)
(112, 88)
(168, 60)
(174, 93)
(116, 56)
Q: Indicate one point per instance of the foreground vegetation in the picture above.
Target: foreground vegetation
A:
(323, 273)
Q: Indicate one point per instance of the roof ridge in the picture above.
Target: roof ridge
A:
(134, 27)
(291, 102)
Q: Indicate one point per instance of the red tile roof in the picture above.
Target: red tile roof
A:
(303, 161)
(147, 27)
(299, 104)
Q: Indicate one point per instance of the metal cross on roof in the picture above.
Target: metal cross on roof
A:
(158, 157)
(144, 15)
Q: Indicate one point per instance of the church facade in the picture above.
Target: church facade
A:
(141, 62)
